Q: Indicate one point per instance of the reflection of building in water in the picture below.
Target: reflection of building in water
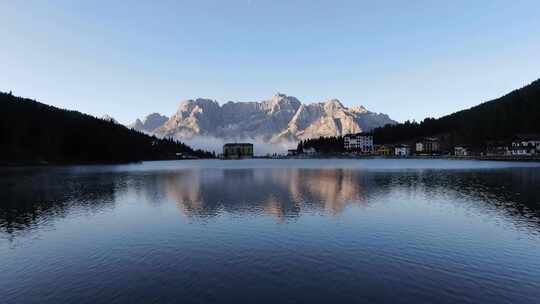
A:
(33, 198)
(288, 192)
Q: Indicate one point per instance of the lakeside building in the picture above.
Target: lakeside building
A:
(528, 144)
(384, 150)
(237, 150)
(402, 150)
(184, 156)
(428, 145)
(461, 151)
(359, 142)
(497, 148)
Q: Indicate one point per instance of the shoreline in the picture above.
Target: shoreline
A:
(480, 158)
(325, 156)
(76, 163)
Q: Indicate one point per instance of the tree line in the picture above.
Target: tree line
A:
(498, 120)
(32, 132)
(330, 144)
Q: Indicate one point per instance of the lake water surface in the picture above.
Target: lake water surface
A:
(272, 231)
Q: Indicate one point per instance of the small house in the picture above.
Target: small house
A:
(384, 150)
(402, 150)
(428, 145)
(237, 150)
(528, 144)
(461, 151)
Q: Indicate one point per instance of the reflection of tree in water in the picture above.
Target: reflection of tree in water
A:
(510, 192)
(32, 198)
(514, 192)
(37, 197)
(287, 193)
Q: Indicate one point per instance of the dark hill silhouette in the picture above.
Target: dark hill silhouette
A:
(498, 119)
(35, 133)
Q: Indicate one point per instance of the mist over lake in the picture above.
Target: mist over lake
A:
(272, 231)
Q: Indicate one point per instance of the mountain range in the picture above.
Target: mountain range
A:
(280, 118)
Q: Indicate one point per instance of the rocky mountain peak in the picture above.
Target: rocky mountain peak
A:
(333, 105)
(334, 102)
(187, 105)
(150, 123)
(358, 109)
(281, 117)
(137, 125)
(282, 102)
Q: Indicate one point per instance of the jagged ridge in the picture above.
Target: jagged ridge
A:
(150, 123)
(279, 118)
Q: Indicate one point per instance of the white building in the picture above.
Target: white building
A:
(428, 145)
(526, 145)
(402, 150)
(359, 142)
(460, 151)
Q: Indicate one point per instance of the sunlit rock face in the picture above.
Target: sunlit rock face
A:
(194, 117)
(330, 118)
(280, 118)
(150, 123)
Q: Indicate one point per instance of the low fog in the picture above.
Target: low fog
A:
(260, 147)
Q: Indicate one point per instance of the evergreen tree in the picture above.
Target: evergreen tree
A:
(32, 132)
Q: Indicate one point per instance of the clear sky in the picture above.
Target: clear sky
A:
(409, 59)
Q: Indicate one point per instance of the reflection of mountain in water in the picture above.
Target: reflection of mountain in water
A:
(33, 197)
(281, 192)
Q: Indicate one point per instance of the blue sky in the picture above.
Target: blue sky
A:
(409, 59)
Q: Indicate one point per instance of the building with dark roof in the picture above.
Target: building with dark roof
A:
(237, 150)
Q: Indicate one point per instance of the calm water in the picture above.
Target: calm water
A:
(270, 231)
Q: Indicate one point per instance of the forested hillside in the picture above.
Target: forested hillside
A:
(32, 132)
(332, 144)
(498, 119)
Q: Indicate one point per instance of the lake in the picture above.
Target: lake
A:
(272, 231)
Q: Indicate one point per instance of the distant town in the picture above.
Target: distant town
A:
(522, 147)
